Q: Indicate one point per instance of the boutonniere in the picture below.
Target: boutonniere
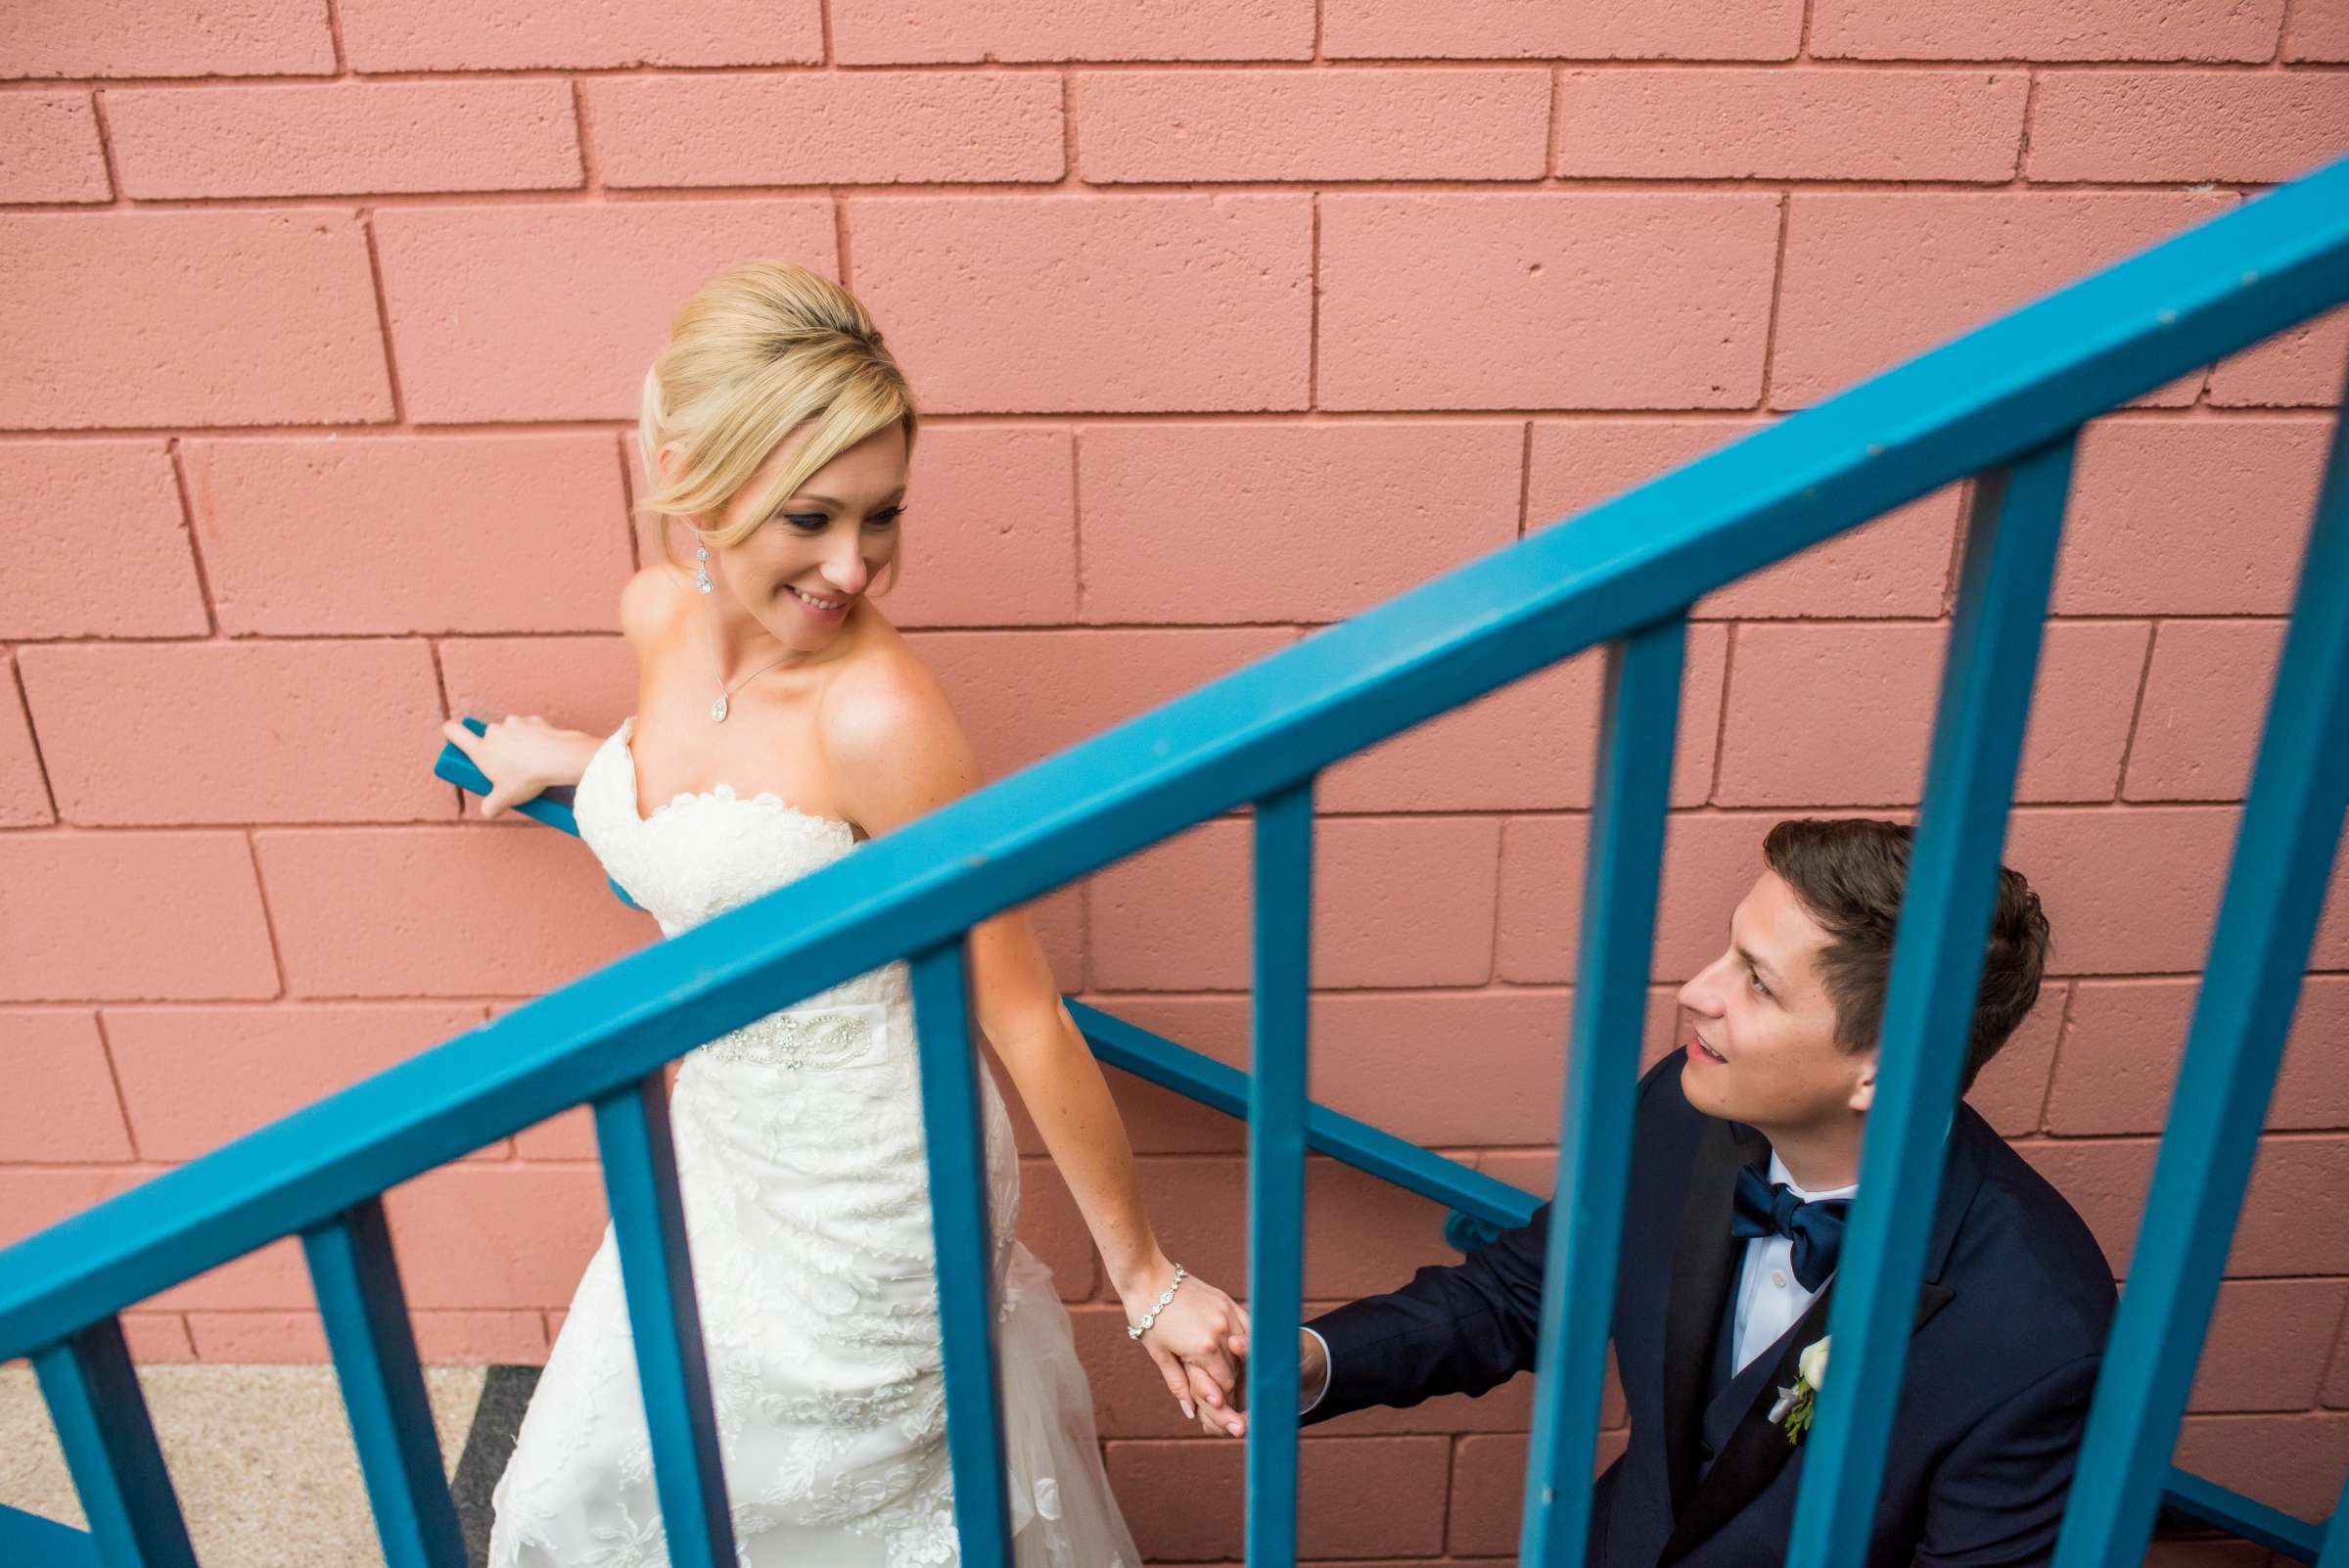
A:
(1795, 1403)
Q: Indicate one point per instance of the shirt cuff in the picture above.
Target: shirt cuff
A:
(1327, 1373)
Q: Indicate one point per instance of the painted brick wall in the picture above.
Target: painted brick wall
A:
(1233, 317)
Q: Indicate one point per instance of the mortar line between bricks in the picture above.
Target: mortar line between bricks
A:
(106, 152)
(1070, 178)
(113, 1074)
(1312, 325)
(627, 442)
(2335, 1354)
(383, 317)
(2063, 1030)
(176, 457)
(260, 893)
(1076, 518)
(2233, 1416)
(2023, 150)
(340, 201)
(1500, 872)
(1452, 1482)
(591, 174)
(1966, 487)
(2136, 713)
(1556, 80)
(1778, 293)
(40, 764)
(2284, 30)
(1817, 64)
(447, 710)
(1770, 810)
(1721, 720)
(1272, 418)
(840, 239)
(823, 23)
(333, 32)
(1525, 481)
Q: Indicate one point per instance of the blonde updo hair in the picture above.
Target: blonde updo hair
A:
(754, 354)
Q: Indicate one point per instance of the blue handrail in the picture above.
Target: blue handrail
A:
(1620, 570)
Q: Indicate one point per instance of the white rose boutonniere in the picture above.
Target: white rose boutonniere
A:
(1794, 1404)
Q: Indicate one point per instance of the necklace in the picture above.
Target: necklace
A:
(718, 709)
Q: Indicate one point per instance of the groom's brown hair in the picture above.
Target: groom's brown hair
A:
(1850, 875)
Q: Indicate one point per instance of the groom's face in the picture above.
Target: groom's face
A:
(1760, 1027)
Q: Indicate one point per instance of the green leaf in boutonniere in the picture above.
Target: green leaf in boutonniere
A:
(1795, 1403)
(1798, 1412)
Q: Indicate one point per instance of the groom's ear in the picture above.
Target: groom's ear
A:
(1863, 1084)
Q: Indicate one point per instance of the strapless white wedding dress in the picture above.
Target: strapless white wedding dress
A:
(800, 1156)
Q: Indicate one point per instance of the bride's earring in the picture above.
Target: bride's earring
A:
(700, 573)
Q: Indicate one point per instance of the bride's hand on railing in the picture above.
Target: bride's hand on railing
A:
(1197, 1339)
(521, 755)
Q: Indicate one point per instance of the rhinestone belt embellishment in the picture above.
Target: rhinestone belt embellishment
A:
(796, 1041)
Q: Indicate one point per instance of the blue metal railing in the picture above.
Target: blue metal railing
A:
(2004, 404)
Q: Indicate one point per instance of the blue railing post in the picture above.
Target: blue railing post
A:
(2276, 888)
(665, 1319)
(366, 1316)
(110, 1447)
(1638, 725)
(1276, 1097)
(958, 1216)
(2013, 530)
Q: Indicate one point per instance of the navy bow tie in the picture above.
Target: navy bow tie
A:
(1767, 1207)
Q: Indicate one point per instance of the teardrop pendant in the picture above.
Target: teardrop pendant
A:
(718, 709)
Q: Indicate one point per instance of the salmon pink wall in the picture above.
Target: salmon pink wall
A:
(322, 337)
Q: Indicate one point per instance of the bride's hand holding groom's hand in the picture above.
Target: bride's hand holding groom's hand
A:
(1313, 1373)
(1197, 1341)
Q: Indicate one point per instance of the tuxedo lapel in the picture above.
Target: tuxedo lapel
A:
(1702, 1267)
(1757, 1448)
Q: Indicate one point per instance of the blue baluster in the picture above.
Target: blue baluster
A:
(1637, 729)
(110, 1447)
(648, 1224)
(366, 1316)
(27, 1538)
(966, 1295)
(2012, 531)
(2276, 888)
(1276, 1098)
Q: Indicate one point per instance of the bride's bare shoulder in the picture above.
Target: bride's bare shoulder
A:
(651, 600)
(885, 702)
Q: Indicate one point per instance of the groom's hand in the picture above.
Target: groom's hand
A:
(1313, 1372)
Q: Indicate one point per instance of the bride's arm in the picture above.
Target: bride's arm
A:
(896, 753)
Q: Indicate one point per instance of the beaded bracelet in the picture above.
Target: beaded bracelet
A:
(1135, 1330)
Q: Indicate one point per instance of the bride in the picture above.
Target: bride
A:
(781, 722)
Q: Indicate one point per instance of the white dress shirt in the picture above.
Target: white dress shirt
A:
(1770, 1299)
(1313, 1396)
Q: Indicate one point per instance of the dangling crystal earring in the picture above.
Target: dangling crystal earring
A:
(700, 577)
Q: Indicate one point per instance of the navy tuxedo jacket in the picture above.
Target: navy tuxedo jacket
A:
(2010, 1324)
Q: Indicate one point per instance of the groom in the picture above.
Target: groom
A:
(1745, 1154)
